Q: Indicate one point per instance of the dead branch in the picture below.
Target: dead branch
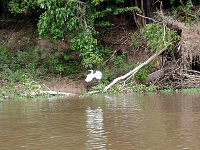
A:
(135, 70)
(146, 17)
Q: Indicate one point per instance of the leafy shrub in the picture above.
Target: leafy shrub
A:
(25, 87)
(118, 66)
(142, 74)
(91, 53)
(22, 6)
(5, 55)
(186, 11)
(61, 17)
(156, 38)
(60, 63)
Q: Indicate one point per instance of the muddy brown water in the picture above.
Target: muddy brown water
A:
(118, 122)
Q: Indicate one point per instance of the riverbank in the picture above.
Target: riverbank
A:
(53, 65)
(66, 84)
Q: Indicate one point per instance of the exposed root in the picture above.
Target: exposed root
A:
(184, 71)
(176, 77)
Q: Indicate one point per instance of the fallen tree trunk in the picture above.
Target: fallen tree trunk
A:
(56, 93)
(135, 70)
(189, 51)
(41, 92)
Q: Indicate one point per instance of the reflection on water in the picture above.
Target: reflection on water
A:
(96, 134)
(131, 121)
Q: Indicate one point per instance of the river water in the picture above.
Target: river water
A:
(118, 122)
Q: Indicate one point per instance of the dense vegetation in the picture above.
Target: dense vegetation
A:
(82, 23)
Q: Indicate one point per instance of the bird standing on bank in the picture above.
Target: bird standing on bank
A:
(92, 75)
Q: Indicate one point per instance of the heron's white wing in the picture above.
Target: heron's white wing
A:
(98, 75)
(89, 77)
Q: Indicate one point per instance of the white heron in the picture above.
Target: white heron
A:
(92, 75)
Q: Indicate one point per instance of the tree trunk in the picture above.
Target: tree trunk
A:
(146, 6)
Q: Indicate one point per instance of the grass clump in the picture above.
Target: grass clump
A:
(25, 87)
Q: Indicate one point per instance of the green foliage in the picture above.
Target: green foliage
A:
(20, 69)
(5, 54)
(35, 62)
(186, 11)
(60, 17)
(166, 90)
(157, 38)
(135, 42)
(142, 74)
(78, 18)
(190, 90)
(131, 87)
(115, 11)
(22, 6)
(25, 87)
(119, 67)
(98, 88)
(15, 65)
(54, 63)
(90, 51)
(61, 63)
(103, 24)
(141, 88)
(119, 61)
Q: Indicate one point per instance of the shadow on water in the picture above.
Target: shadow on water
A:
(130, 121)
